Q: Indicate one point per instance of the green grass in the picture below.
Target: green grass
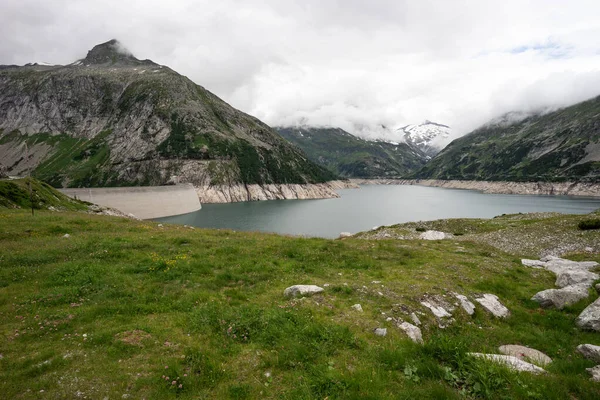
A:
(127, 307)
(16, 194)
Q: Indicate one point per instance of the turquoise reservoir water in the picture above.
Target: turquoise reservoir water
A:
(373, 205)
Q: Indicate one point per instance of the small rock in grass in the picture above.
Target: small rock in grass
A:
(345, 235)
(511, 362)
(590, 317)
(491, 304)
(465, 303)
(525, 353)
(595, 372)
(437, 310)
(66, 236)
(590, 351)
(560, 298)
(433, 235)
(413, 332)
(302, 290)
(357, 307)
(380, 331)
(415, 319)
(160, 225)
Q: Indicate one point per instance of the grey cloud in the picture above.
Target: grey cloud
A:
(351, 63)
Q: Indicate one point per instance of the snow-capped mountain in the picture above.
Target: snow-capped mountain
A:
(429, 137)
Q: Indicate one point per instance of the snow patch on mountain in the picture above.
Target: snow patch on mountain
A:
(429, 137)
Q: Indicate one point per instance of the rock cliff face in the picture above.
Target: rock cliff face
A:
(113, 120)
(239, 192)
(536, 188)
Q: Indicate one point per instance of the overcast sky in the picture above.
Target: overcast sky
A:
(338, 62)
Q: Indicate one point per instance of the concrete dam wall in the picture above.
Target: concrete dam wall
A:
(144, 202)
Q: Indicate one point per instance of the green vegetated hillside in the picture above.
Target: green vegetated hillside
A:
(556, 146)
(131, 309)
(111, 119)
(28, 192)
(352, 157)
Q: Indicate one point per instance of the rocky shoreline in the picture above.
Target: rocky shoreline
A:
(499, 187)
(241, 192)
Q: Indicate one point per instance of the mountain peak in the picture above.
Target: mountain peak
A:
(109, 52)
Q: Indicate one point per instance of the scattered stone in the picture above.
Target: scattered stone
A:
(345, 235)
(415, 319)
(433, 235)
(357, 307)
(595, 372)
(66, 236)
(590, 351)
(525, 353)
(491, 304)
(560, 298)
(533, 263)
(374, 228)
(590, 317)
(465, 303)
(511, 362)
(589, 249)
(437, 310)
(381, 331)
(413, 332)
(575, 277)
(160, 225)
(302, 290)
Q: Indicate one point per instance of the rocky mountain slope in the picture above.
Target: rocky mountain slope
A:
(563, 145)
(111, 120)
(350, 156)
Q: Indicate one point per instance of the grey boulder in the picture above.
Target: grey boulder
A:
(433, 235)
(525, 353)
(571, 277)
(590, 351)
(380, 331)
(590, 317)
(302, 290)
(465, 303)
(491, 304)
(595, 372)
(413, 332)
(511, 362)
(560, 298)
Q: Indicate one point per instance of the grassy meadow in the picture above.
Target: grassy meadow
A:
(130, 309)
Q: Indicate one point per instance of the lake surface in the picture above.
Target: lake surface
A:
(373, 205)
